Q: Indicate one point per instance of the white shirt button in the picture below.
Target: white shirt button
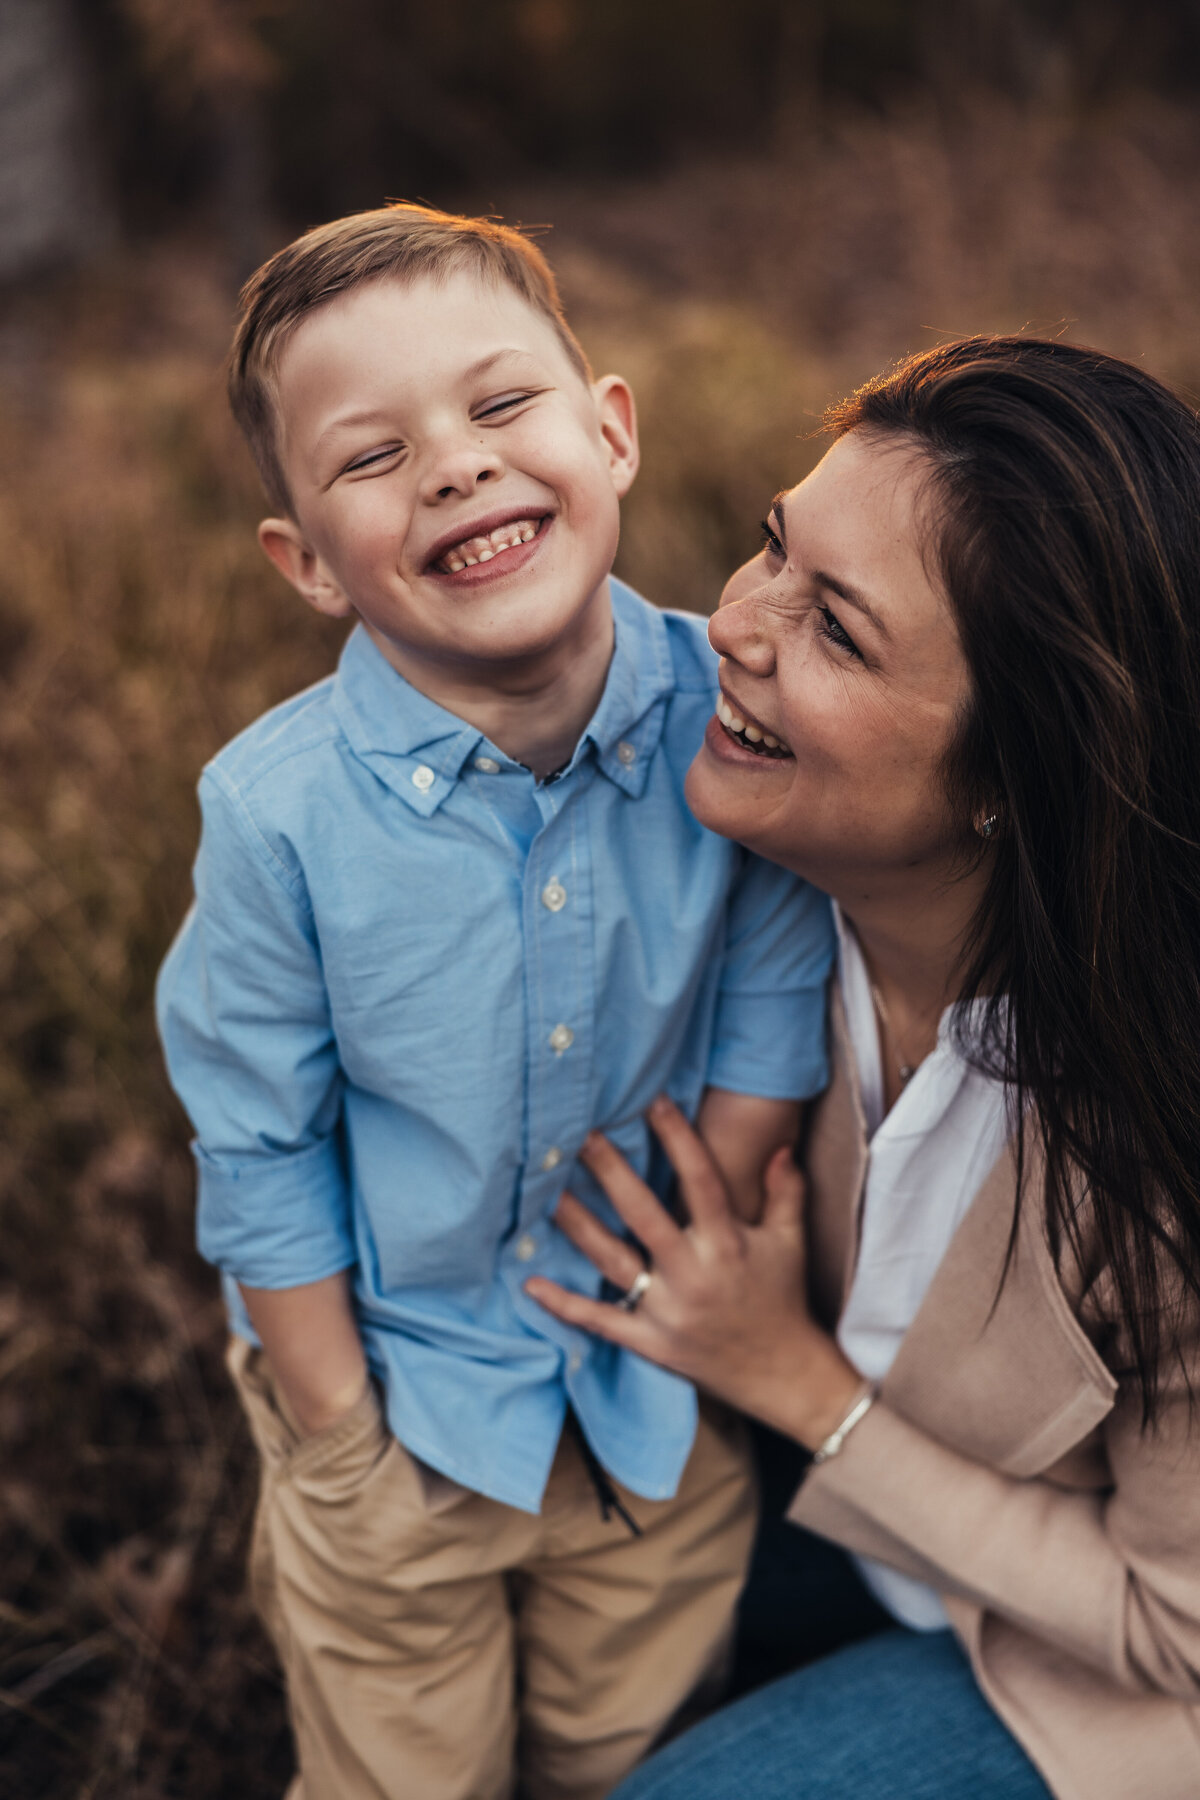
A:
(552, 1157)
(574, 1363)
(487, 765)
(526, 1248)
(423, 778)
(554, 895)
(626, 752)
(561, 1038)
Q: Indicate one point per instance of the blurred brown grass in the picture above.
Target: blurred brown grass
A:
(139, 628)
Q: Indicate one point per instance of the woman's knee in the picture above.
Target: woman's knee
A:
(898, 1717)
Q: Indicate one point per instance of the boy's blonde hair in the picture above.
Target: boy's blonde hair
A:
(403, 241)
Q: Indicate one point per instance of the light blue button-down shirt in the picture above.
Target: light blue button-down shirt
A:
(414, 978)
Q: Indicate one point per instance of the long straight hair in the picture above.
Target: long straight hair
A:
(1065, 509)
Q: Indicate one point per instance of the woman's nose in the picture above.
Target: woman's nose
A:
(458, 466)
(740, 630)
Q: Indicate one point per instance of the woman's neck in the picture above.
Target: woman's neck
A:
(912, 942)
(913, 935)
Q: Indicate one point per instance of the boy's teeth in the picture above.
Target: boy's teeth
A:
(769, 741)
(474, 550)
(736, 724)
(753, 733)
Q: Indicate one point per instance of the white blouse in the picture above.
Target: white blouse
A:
(927, 1160)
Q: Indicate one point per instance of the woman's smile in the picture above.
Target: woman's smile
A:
(747, 732)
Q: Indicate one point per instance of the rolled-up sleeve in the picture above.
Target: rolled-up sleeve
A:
(769, 1037)
(244, 1019)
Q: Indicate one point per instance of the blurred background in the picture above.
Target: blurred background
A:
(754, 205)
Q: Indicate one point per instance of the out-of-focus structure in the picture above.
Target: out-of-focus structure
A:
(53, 208)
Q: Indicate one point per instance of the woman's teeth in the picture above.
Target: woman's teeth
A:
(752, 736)
(474, 550)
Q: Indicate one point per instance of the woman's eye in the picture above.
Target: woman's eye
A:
(771, 541)
(837, 634)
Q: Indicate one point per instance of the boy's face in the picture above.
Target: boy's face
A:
(455, 480)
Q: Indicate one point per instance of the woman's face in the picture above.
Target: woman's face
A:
(838, 641)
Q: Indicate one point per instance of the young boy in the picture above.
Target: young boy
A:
(452, 913)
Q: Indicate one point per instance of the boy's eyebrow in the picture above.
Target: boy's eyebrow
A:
(368, 416)
(489, 362)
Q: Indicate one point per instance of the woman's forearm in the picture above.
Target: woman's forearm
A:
(312, 1343)
(1053, 1561)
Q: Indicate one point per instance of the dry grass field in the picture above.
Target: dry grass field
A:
(139, 628)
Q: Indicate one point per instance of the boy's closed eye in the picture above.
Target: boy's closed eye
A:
(498, 409)
(372, 459)
(507, 403)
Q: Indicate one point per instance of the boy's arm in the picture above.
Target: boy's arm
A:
(743, 1131)
(245, 1023)
(311, 1341)
(768, 1055)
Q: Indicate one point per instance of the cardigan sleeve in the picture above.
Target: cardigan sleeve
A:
(1111, 1576)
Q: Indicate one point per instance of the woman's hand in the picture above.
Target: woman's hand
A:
(726, 1303)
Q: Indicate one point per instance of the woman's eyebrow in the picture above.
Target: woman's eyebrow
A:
(852, 597)
(842, 589)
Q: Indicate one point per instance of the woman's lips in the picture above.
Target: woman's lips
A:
(720, 742)
(749, 735)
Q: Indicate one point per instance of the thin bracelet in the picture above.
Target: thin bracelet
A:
(837, 1437)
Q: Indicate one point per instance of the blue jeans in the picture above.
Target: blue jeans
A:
(895, 1717)
(874, 1712)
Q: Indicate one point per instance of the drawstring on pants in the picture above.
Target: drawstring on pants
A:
(606, 1493)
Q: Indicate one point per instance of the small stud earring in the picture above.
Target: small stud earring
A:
(986, 827)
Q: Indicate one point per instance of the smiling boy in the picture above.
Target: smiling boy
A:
(451, 915)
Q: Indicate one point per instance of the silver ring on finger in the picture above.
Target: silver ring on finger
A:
(631, 1298)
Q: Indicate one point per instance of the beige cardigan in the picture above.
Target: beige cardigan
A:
(1005, 1464)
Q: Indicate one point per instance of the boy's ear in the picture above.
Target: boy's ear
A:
(299, 563)
(617, 412)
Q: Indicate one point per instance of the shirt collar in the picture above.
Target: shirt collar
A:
(418, 749)
(625, 729)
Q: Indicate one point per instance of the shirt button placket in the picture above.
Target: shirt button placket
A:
(560, 1081)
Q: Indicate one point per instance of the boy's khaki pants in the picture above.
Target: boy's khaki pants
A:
(441, 1646)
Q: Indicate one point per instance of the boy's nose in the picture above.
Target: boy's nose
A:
(459, 469)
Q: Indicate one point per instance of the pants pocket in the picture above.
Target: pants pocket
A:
(342, 1452)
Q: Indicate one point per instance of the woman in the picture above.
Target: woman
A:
(974, 637)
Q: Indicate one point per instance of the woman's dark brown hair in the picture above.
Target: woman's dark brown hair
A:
(1065, 491)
